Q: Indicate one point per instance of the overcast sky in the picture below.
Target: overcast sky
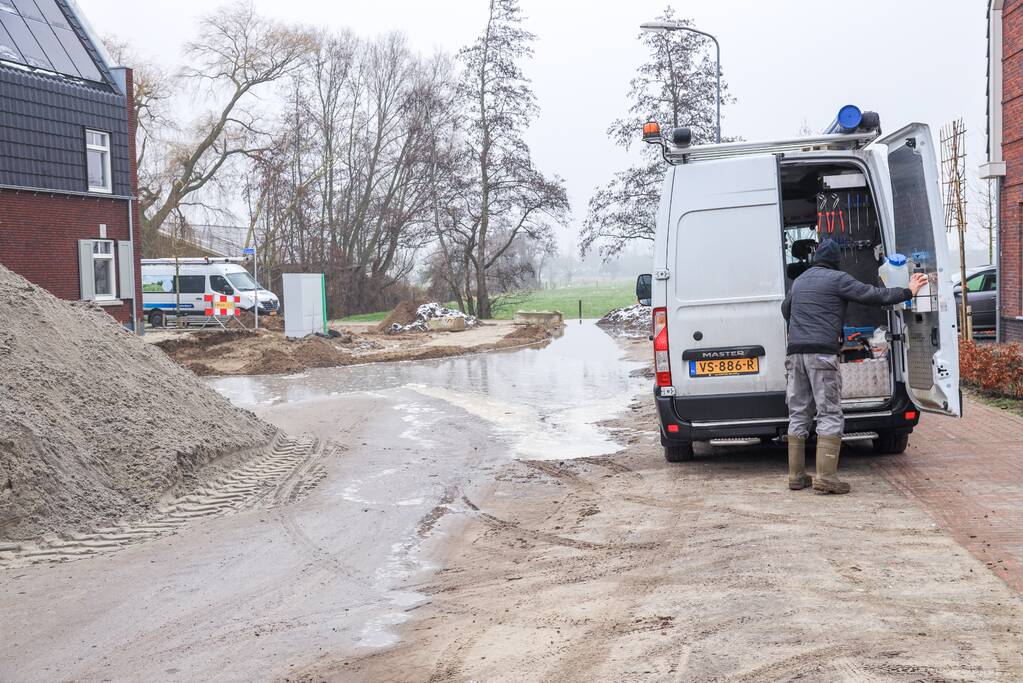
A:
(784, 60)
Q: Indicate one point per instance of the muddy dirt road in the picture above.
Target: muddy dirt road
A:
(475, 523)
(319, 539)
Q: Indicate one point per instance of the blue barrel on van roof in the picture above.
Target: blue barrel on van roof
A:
(848, 120)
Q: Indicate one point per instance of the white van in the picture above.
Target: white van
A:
(197, 277)
(738, 223)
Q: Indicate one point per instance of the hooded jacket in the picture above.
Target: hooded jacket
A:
(815, 306)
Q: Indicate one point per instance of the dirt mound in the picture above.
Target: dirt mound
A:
(404, 313)
(266, 322)
(204, 341)
(295, 356)
(529, 333)
(95, 424)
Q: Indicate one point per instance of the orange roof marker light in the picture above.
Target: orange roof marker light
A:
(652, 132)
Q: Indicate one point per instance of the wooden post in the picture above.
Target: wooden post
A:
(580, 310)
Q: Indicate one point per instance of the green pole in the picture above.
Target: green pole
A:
(323, 299)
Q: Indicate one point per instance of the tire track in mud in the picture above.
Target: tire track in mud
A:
(572, 479)
(282, 472)
(588, 656)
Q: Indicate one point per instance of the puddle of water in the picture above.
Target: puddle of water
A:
(545, 402)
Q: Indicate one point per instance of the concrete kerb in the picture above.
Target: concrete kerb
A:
(545, 318)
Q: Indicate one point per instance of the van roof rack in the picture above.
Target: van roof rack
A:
(193, 260)
(674, 154)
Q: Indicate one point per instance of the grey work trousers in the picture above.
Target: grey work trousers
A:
(814, 381)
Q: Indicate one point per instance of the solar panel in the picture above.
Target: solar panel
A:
(8, 50)
(26, 42)
(53, 16)
(52, 47)
(36, 33)
(78, 54)
(28, 10)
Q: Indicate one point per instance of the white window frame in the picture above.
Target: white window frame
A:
(105, 149)
(111, 256)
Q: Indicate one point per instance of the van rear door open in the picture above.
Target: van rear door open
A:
(932, 357)
(726, 213)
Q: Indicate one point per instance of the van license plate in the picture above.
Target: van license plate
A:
(719, 368)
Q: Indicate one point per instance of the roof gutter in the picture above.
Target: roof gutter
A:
(70, 193)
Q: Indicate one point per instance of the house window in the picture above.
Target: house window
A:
(103, 268)
(97, 154)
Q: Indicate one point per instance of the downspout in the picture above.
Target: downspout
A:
(998, 260)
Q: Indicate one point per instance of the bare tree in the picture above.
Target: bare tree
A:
(505, 196)
(154, 92)
(982, 217)
(675, 86)
(236, 52)
(348, 187)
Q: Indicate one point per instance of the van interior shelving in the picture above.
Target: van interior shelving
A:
(833, 200)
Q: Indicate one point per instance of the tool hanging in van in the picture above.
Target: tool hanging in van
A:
(822, 205)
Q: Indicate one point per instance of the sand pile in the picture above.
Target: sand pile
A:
(96, 425)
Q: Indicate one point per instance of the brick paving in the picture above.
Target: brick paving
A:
(968, 473)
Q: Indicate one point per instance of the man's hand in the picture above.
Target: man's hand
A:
(917, 281)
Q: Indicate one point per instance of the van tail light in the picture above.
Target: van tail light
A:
(662, 368)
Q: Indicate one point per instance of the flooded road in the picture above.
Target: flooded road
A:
(333, 558)
(543, 403)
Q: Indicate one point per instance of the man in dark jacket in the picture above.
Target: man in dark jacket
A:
(815, 313)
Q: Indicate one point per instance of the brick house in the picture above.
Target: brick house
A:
(68, 221)
(1005, 157)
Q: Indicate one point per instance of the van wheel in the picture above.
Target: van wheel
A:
(889, 443)
(156, 318)
(679, 452)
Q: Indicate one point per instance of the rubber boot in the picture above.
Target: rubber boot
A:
(827, 481)
(798, 478)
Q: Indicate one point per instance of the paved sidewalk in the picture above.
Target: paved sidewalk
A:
(968, 474)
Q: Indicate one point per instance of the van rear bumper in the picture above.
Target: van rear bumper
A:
(702, 418)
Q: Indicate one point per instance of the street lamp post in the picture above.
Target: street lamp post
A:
(666, 26)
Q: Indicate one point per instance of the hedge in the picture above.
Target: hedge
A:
(995, 369)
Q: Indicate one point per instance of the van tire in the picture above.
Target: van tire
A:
(891, 443)
(679, 452)
(156, 318)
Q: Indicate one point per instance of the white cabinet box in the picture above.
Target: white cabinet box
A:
(305, 304)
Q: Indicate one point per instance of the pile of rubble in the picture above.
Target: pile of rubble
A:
(631, 321)
(453, 319)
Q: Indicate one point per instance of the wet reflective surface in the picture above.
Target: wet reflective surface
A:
(335, 558)
(543, 402)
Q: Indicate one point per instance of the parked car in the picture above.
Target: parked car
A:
(981, 288)
(162, 291)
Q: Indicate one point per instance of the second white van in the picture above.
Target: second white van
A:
(178, 289)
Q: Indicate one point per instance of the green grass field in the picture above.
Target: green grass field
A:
(597, 300)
